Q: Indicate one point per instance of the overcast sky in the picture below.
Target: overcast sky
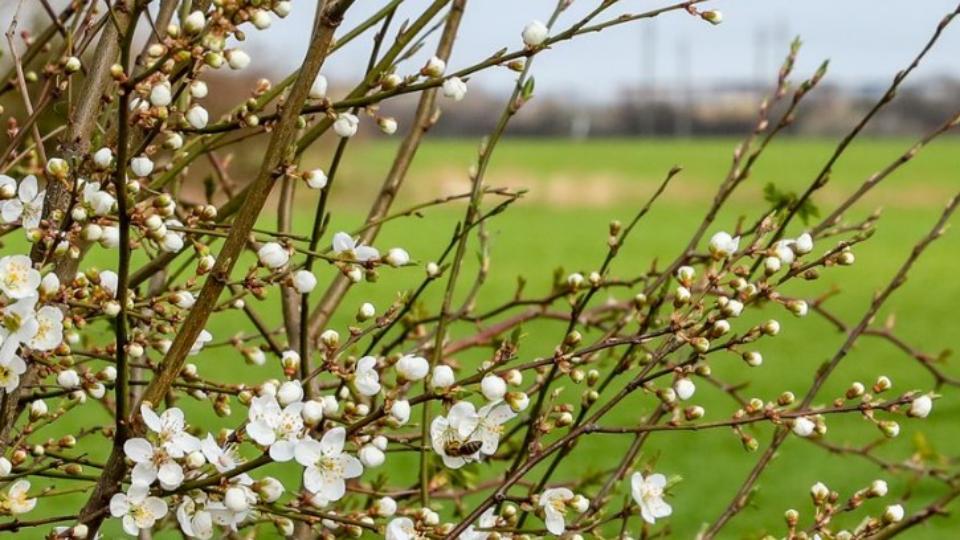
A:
(867, 41)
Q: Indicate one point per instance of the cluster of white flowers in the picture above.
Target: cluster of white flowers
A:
(30, 326)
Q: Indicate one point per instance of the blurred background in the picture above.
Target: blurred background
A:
(612, 113)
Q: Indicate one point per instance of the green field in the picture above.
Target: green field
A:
(575, 190)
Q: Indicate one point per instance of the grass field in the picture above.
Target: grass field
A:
(575, 189)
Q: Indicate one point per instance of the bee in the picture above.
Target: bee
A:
(455, 448)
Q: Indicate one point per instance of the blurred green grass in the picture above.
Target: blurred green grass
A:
(568, 230)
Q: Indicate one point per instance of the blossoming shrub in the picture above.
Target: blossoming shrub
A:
(115, 179)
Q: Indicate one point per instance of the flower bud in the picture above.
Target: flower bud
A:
(454, 88)
(346, 125)
(194, 22)
(58, 167)
(694, 413)
(890, 428)
(397, 257)
(878, 488)
(72, 64)
(68, 378)
(366, 312)
(198, 89)
(712, 16)
(160, 95)
(753, 358)
(819, 492)
(803, 426)
(723, 245)
(385, 507)
(197, 117)
(371, 456)
(290, 392)
(304, 281)
(518, 401)
(400, 411)
(893, 514)
(316, 179)
(534, 34)
(684, 388)
(797, 307)
(413, 368)
(38, 409)
(387, 125)
(921, 407)
(318, 90)
(330, 338)
(493, 387)
(269, 488)
(434, 67)
(771, 327)
(195, 459)
(443, 377)
(102, 158)
(273, 255)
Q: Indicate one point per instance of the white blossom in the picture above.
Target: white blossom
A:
(152, 463)
(195, 521)
(17, 501)
(18, 279)
(327, 466)
(554, 502)
(452, 432)
(401, 528)
(10, 371)
(278, 429)
(345, 246)
(366, 378)
(648, 493)
(27, 206)
(99, 201)
(170, 428)
(137, 508)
